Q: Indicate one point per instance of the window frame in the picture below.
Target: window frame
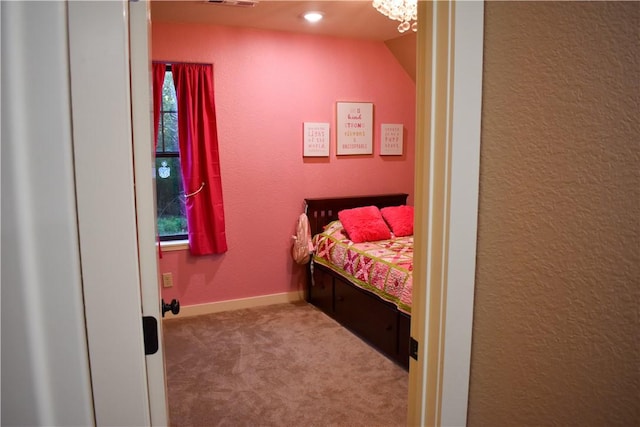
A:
(174, 238)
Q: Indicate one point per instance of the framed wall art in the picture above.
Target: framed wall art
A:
(354, 128)
(316, 139)
(391, 139)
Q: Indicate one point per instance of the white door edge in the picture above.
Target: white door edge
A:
(143, 148)
(103, 161)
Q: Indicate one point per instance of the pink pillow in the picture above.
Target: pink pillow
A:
(364, 224)
(400, 219)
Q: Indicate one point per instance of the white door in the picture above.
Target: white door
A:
(143, 149)
(119, 270)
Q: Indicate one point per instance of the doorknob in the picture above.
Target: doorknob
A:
(174, 307)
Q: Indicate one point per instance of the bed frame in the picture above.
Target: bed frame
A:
(378, 322)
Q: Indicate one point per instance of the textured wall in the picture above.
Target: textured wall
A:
(556, 330)
(267, 84)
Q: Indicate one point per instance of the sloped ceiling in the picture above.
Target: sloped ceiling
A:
(404, 49)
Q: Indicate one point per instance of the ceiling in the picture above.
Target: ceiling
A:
(347, 18)
(353, 19)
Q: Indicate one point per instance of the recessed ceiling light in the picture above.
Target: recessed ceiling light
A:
(313, 16)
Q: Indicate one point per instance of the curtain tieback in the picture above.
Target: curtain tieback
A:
(195, 192)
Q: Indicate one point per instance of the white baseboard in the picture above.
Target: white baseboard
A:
(236, 304)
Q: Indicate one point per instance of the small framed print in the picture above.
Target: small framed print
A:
(354, 128)
(316, 139)
(391, 139)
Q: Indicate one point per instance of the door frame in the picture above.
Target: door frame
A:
(445, 219)
(448, 110)
(108, 54)
(143, 156)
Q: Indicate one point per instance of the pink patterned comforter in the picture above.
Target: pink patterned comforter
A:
(383, 267)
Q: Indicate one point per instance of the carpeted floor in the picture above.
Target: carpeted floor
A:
(280, 365)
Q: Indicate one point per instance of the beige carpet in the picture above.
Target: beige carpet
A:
(281, 365)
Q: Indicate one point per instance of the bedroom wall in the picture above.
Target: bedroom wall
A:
(267, 84)
(555, 336)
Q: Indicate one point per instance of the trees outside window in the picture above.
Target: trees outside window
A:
(171, 213)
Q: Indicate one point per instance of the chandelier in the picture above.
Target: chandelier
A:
(405, 11)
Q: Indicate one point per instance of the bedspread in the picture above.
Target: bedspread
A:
(383, 267)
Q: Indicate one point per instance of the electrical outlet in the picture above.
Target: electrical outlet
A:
(167, 280)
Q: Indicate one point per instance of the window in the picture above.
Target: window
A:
(187, 137)
(171, 213)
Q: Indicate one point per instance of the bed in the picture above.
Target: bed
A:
(379, 317)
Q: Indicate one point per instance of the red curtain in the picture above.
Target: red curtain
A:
(158, 80)
(199, 159)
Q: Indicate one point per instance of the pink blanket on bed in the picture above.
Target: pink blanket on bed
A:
(383, 267)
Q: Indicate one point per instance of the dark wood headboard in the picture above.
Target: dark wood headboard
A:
(322, 211)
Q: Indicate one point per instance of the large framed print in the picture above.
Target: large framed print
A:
(391, 139)
(354, 128)
(316, 139)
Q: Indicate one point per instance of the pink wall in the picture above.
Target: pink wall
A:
(267, 84)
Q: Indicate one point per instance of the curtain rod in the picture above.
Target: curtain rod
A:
(168, 63)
